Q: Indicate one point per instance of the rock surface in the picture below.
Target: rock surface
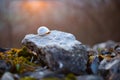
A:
(109, 64)
(110, 67)
(90, 77)
(5, 66)
(7, 76)
(108, 44)
(59, 50)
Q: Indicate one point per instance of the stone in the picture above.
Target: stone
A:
(5, 66)
(4, 49)
(111, 66)
(7, 76)
(117, 48)
(40, 74)
(116, 67)
(114, 77)
(59, 50)
(108, 44)
(89, 77)
(94, 65)
(108, 64)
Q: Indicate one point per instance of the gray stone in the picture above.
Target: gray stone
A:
(5, 66)
(116, 67)
(59, 50)
(7, 76)
(117, 48)
(114, 77)
(94, 65)
(90, 77)
(108, 64)
(108, 44)
(107, 67)
(40, 74)
(45, 74)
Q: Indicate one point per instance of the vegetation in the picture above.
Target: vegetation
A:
(19, 59)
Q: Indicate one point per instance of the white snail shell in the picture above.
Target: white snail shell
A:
(43, 30)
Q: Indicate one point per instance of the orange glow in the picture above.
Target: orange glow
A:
(35, 5)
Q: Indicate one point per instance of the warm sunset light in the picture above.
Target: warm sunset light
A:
(35, 5)
(59, 39)
(91, 21)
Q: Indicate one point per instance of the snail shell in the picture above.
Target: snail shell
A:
(43, 31)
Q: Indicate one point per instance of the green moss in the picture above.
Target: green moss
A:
(53, 78)
(20, 59)
(24, 52)
(70, 77)
(28, 78)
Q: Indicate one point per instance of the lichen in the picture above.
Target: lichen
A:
(70, 77)
(20, 59)
(28, 78)
(51, 78)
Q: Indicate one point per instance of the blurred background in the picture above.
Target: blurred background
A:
(91, 21)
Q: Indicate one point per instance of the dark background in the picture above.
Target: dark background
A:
(91, 21)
